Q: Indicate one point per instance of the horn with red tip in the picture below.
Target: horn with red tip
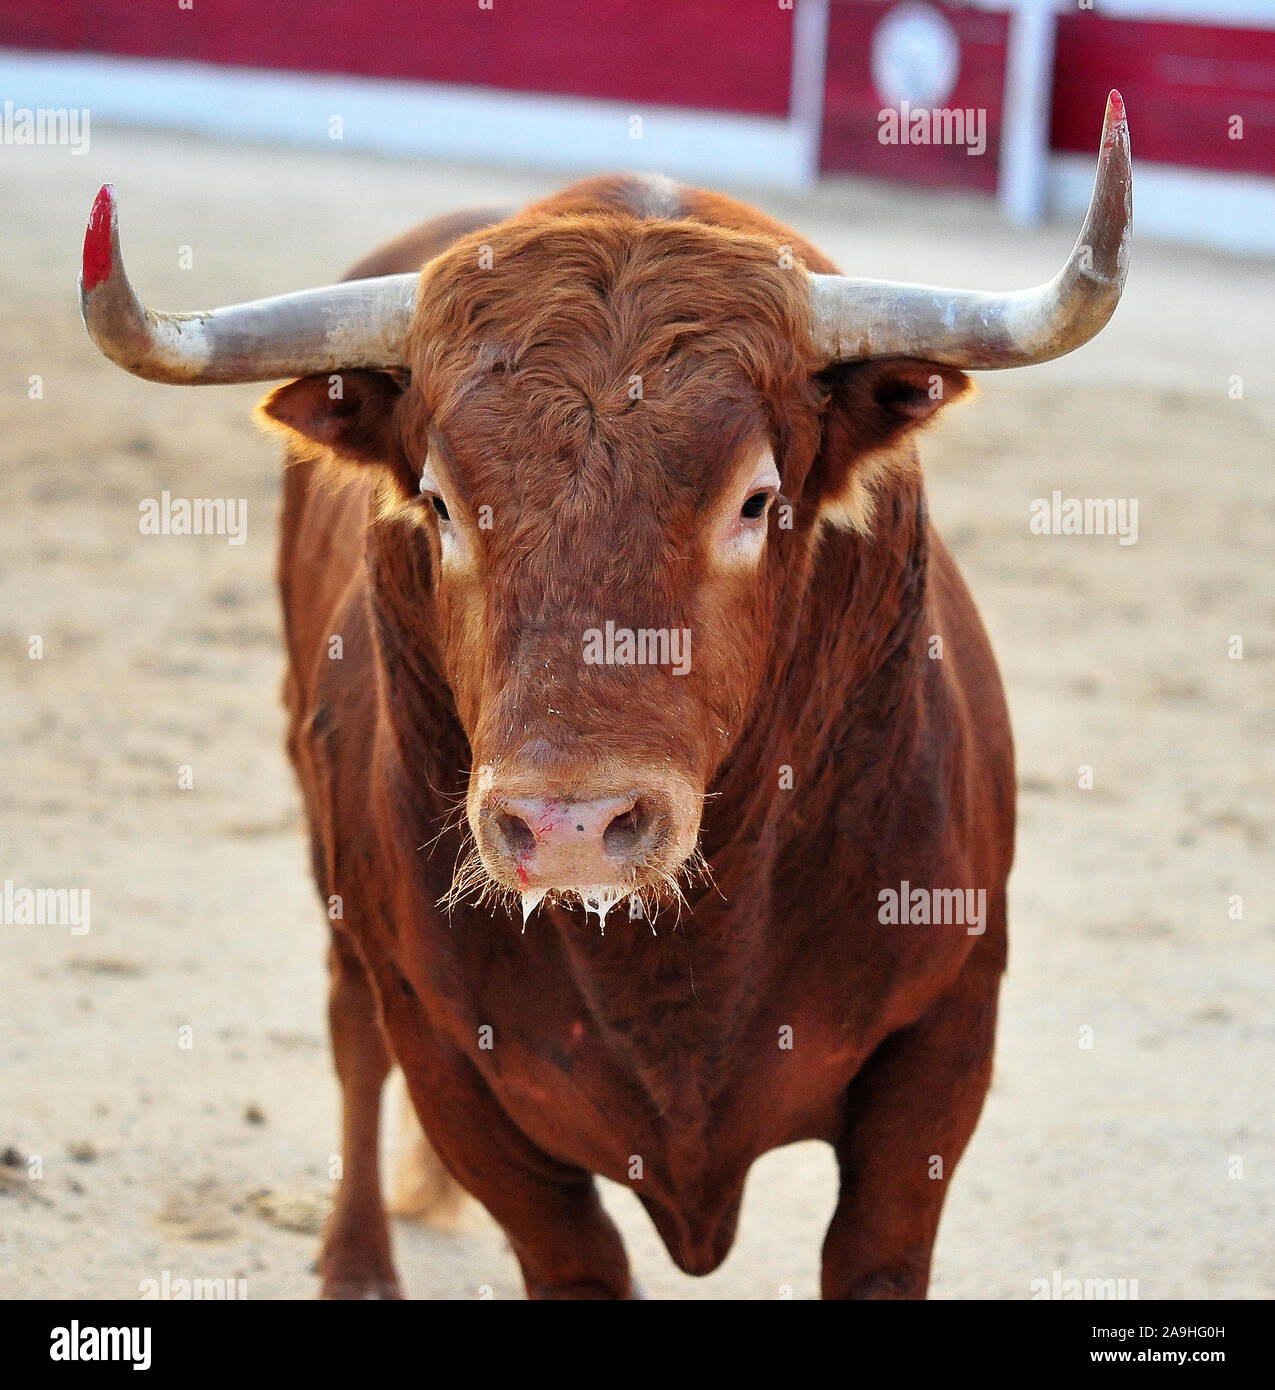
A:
(358, 323)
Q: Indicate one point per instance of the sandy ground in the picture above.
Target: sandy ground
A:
(1146, 1156)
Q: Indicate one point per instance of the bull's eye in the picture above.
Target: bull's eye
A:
(440, 508)
(755, 506)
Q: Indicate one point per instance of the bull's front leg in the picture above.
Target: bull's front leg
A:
(566, 1244)
(910, 1114)
(355, 1261)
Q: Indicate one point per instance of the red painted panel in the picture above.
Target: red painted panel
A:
(727, 55)
(1182, 83)
(852, 105)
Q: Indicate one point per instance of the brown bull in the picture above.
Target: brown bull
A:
(657, 703)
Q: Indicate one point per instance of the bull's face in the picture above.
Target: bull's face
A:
(604, 626)
(597, 470)
(602, 483)
(606, 580)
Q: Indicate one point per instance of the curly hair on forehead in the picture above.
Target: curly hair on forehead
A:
(605, 295)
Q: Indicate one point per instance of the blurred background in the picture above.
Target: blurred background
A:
(767, 91)
(1130, 1131)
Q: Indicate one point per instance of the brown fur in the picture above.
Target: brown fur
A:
(665, 1047)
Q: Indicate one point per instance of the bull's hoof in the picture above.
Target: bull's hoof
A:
(356, 1290)
(584, 1291)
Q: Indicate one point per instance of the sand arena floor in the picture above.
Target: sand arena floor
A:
(1113, 1161)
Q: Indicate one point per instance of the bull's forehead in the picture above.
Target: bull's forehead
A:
(613, 350)
(593, 438)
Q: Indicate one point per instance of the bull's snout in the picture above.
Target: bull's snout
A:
(554, 843)
(533, 841)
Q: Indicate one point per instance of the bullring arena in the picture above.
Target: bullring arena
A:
(1128, 1132)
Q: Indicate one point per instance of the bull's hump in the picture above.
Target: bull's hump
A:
(637, 194)
(655, 195)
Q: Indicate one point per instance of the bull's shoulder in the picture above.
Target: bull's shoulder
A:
(975, 697)
(321, 573)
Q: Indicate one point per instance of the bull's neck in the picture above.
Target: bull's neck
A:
(832, 725)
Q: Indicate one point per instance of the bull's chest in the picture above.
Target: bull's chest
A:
(669, 1063)
(670, 1074)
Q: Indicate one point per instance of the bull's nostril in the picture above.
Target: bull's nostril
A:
(549, 843)
(621, 837)
(516, 834)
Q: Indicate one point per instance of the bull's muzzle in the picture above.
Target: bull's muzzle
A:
(549, 840)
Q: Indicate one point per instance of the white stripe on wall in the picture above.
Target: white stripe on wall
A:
(412, 118)
(1233, 211)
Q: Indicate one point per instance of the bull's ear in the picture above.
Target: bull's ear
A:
(350, 412)
(874, 410)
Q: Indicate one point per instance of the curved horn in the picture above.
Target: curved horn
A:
(357, 323)
(858, 319)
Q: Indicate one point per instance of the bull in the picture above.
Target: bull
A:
(618, 916)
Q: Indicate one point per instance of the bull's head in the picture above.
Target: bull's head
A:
(590, 429)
